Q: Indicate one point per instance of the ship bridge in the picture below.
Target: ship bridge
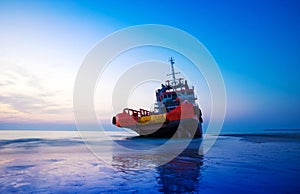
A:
(174, 92)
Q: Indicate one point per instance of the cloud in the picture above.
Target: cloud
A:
(30, 104)
(24, 96)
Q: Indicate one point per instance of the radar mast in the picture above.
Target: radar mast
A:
(173, 71)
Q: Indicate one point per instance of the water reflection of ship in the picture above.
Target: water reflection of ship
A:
(180, 175)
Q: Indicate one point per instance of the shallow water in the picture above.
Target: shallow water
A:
(60, 162)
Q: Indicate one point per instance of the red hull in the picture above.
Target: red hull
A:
(182, 122)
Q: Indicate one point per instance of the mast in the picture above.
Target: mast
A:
(172, 70)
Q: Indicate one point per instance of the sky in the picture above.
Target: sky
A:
(256, 45)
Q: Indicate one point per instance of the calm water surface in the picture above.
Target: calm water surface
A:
(60, 162)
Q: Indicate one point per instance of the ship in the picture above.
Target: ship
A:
(176, 113)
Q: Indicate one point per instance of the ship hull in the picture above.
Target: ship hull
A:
(185, 128)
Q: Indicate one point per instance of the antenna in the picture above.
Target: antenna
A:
(172, 69)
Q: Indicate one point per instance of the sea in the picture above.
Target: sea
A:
(39, 161)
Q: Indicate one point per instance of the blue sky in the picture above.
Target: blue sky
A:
(255, 43)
